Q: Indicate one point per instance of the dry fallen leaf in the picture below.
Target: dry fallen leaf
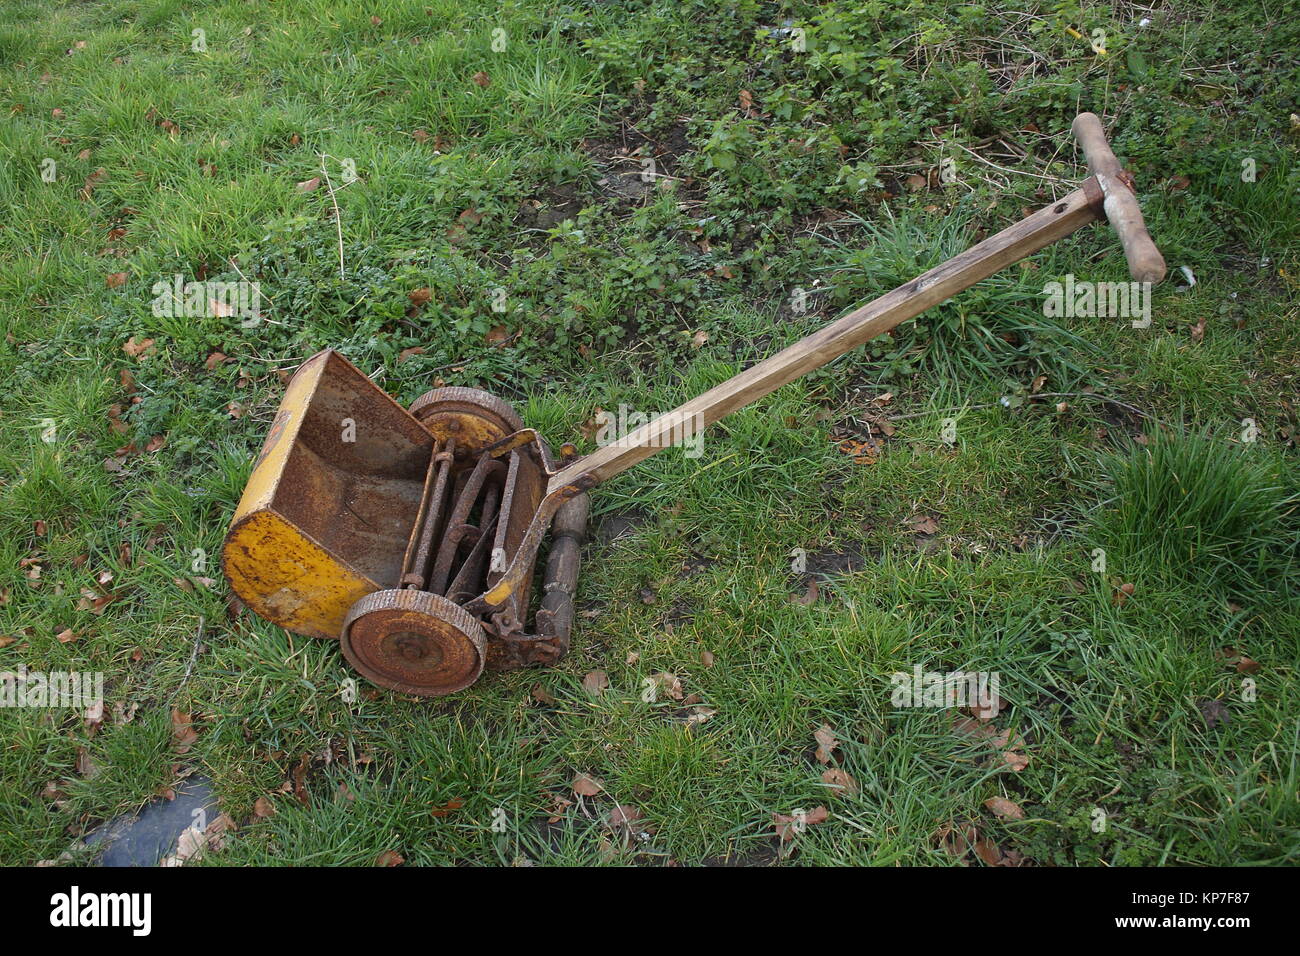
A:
(922, 524)
(87, 767)
(183, 733)
(840, 782)
(669, 684)
(482, 79)
(810, 596)
(448, 808)
(136, 349)
(787, 827)
(115, 279)
(826, 743)
(308, 185)
(586, 786)
(389, 858)
(1004, 808)
(988, 851)
(595, 682)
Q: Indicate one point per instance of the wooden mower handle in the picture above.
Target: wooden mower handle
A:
(1145, 263)
(1103, 195)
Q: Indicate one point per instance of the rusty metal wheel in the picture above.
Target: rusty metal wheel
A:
(414, 642)
(473, 417)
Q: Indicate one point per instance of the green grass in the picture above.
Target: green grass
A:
(1136, 709)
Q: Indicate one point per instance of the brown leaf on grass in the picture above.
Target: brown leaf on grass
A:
(6, 640)
(481, 79)
(827, 742)
(236, 410)
(586, 786)
(93, 717)
(405, 354)
(459, 229)
(115, 422)
(39, 527)
(669, 684)
(389, 858)
(840, 782)
(66, 636)
(136, 349)
(87, 767)
(1122, 594)
(956, 839)
(862, 452)
(541, 695)
(127, 380)
(497, 335)
(299, 779)
(1015, 760)
(559, 805)
(183, 733)
(115, 279)
(419, 297)
(922, 524)
(699, 339)
(448, 808)
(1247, 666)
(811, 595)
(1198, 331)
(94, 602)
(787, 827)
(420, 135)
(219, 309)
(595, 682)
(706, 658)
(1004, 808)
(308, 185)
(628, 822)
(988, 851)
(93, 180)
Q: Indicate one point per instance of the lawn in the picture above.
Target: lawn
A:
(586, 205)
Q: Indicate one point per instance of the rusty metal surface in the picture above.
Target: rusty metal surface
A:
(414, 642)
(392, 530)
(338, 482)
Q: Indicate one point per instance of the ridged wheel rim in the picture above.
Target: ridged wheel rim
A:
(414, 642)
(481, 418)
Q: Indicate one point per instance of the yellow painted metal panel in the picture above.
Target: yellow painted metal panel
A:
(279, 441)
(285, 577)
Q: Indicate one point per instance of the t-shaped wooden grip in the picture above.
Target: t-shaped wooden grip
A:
(1145, 263)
